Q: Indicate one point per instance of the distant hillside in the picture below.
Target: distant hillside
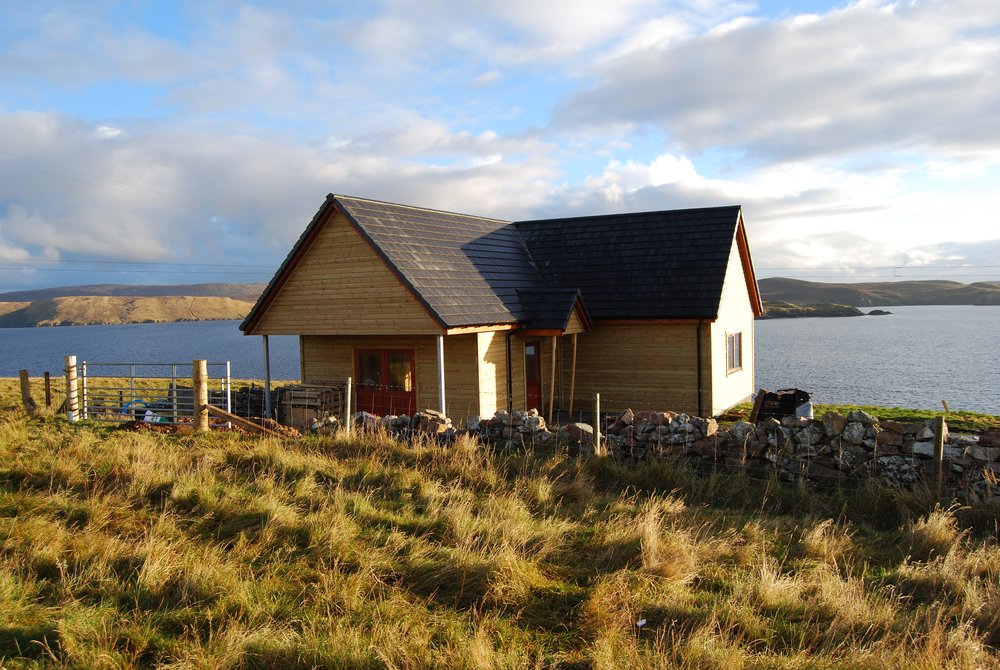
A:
(8, 307)
(800, 292)
(247, 292)
(95, 310)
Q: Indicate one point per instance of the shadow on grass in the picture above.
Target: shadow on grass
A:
(28, 641)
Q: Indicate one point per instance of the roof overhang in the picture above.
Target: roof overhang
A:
(748, 272)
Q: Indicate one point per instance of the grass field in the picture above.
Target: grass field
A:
(125, 550)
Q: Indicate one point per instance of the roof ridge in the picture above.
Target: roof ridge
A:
(593, 217)
(341, 196)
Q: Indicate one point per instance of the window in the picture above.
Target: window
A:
(400, 364)
(385, 369)
(734, 351)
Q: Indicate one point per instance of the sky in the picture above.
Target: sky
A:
(184, 142)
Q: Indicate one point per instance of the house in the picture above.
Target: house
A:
(469, 315)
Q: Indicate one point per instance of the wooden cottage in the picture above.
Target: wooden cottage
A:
(468, 315)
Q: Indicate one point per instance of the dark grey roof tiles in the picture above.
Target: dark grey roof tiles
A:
(548, 308)
(466, 268)
(653, 265)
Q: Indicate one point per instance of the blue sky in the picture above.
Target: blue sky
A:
(166, 142)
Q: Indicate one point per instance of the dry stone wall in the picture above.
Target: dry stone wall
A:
(834, 448)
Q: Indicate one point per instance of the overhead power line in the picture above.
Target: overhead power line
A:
(91, 179)
(151, 272)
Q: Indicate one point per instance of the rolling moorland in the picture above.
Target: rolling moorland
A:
(108, 304)
(874, 294)
(123, 549)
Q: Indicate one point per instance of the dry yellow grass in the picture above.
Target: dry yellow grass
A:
(125, 550)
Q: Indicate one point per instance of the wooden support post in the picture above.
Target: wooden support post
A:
(440, 357)
(939, 428)
(48, 390)
(552, 383)
(72, 401)
(598, 451)
(29, 403)
(572, 378)
(199, 380)
(267, 378)
(347, 406)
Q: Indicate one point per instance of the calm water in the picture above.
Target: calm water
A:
(42, 349)
(915, 357)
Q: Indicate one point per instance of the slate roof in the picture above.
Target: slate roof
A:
(466, 268)
(549, 308)
(651, 265)
(473, 271)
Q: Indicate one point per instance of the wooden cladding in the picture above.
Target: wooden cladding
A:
(341, 286)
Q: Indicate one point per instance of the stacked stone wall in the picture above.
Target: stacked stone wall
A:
(834, 448)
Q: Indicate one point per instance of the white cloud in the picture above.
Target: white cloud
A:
(846, 134)
(107, 132)
(856, 79)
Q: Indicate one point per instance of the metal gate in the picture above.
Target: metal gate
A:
(150, 392)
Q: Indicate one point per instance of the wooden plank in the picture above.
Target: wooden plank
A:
(241, 422)
(552, 382)
(572, 378)
(757, 404)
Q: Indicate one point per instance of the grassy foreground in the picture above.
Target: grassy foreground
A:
(122, 550)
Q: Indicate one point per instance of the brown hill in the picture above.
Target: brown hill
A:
(248, 292)
(931, 292)
(95, 310)
(8, 307)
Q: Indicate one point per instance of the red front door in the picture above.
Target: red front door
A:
(533, 375)
(385, 381)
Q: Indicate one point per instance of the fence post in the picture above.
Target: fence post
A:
(347, 406)
(29, 403)
(48, 391)
(72, 402)
(199, 379)
(597, 425)
(939, 428)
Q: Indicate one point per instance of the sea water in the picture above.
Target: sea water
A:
(915, 357)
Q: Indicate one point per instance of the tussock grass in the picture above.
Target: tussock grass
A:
(124, 550)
